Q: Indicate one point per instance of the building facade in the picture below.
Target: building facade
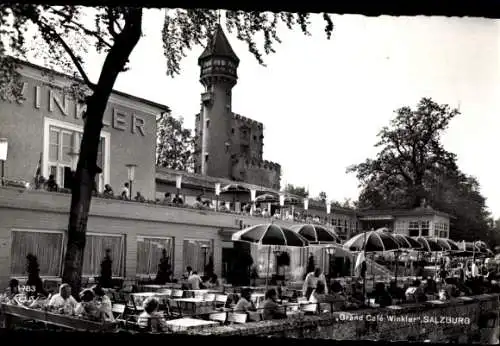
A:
(424, 222)
(228, 145)
(47, 124)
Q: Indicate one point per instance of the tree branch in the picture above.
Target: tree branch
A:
(51, 32)
(83, 28)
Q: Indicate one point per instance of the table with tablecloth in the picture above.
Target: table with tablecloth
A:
(192, 306)
(183, 324)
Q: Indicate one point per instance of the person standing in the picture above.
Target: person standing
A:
(311, 282)
(106, 279)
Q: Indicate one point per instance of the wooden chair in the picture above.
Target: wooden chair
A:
(118, 310)
(237, 318)
(166, 291)
(218, 317)
(220, 300)
(177, 294)
(174, 308)
(209, 297)
(311, 308)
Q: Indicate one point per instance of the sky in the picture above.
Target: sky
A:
(323, 101)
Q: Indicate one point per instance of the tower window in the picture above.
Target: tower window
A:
(232, 131)
(206, 157)
(254, 138)
(208, 124)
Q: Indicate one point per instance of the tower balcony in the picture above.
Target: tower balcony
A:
(207, 98)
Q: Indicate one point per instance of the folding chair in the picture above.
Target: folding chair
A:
(218, 317)
(237, 318)
(221, 300)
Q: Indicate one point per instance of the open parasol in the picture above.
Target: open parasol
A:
(372, 241)
(316, 234)
(270, 234)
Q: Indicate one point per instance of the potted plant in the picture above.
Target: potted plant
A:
(34, 280)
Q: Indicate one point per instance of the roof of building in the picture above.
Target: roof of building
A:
(161, 107)
(218, 45)
(405, 212)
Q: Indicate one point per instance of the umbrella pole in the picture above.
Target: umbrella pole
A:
(268, 263)
(364, 274)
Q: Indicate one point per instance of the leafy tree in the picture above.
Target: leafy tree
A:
(411, 151)
(174, 144)
(65, 33)
(413, 164)
(296, 190)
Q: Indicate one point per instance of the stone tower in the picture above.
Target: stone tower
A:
(218, 64)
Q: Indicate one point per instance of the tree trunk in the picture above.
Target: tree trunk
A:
(87, 169)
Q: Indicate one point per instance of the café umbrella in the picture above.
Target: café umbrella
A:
(266, 198)
(372, 241)
(430, 245)
(270, 234)
(406, 242)
(234, 189)
(316, 234)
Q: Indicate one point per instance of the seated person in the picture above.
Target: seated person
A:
(415, 293)
(87, 307)
(245, 303)
(177, 200)
(13, 288)
(108, 191)
(139, 197)
(63, 301)
(430, 286)
(194, 280)
(151, 318)
(381, 295)
(103, 303)
(199, 203)
(51, 183)
(396, 292)
(223, 206)
(211, 281)
(271, 309)
(167, 199)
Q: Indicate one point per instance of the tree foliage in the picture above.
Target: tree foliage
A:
(299, 191)
(61, 37)
(174, 144)
(413, 164)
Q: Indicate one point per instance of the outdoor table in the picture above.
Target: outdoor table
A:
(183, 324)
(195, 305)
(195, 293)
(153, 288)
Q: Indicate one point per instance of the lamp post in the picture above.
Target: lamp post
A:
(131, 176)
(204, 247)
(328, 211)
(282, 205)
(331, 255)
(4, 144)
(397, 253)
(306, 206)
(217, 194)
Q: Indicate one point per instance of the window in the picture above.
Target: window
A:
(206, 157)
(232, 131)
(424, 228)
(208, 124)
(196, 253)
(441, 230)
(62, 143)
(149, 253)
(95, 250)
(254, 138)
(47, 246)
(414, 229)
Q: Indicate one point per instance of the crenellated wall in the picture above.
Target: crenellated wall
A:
(262, 173)
(247, 137)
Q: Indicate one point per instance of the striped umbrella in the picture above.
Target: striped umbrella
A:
(270, 234)
(429, 244)
(316, 234)
(372, 241)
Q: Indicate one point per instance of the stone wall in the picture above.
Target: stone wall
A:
(418, 322)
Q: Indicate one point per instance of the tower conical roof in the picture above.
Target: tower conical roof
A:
(219, 46)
